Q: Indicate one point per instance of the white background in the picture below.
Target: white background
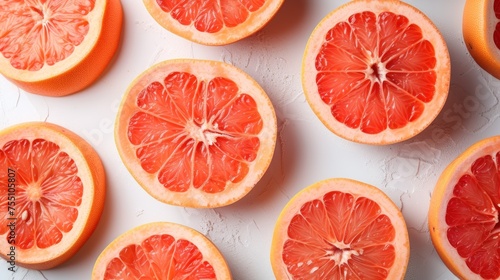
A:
(306, 151)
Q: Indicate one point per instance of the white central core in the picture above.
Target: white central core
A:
(376, 70)
(205, 133)
(42, 14)
(341, 253)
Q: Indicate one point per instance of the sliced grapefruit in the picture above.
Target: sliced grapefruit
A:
(213, 22)
(376, 72)
(55, 194)
(464, 212)
(481, 31)
(161, 250)
(56, 48)
(340, 229)
(196, 133)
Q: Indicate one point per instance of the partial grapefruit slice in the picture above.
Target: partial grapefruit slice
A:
(340, 229)
(464, 212)
(481, 31)
(57, 48)
(196, 133)
(376, 72)
(161, 251)
(55, 194)
(212, 22)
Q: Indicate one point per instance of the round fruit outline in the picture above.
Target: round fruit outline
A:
(196, 133)
(161, 250)
(481, 32)
(55, 195)
(463, 212)
(56, 48)
(340, 229)
(376, 72)
(212, 22)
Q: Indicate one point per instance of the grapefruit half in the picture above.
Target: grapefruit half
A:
(481, 31)
(213, 22)
(57, 48)
(52, 195)
(161, 250)
(376, 72)
(340, 229)
(464, 212)
(196, 133)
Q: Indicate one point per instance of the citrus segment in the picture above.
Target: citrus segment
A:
(481, 31)
(196, 133)
(340, 229)
(31, 41)
(213, 22)
(161, 251)
(49, 194)
(209, 16)
(57, 47)
(463, 215)
(376, 71)
(55, 193)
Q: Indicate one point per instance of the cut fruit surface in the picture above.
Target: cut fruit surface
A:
(481, 31)
(213, 22)
(340, 229)
(55, 194)
(376, 72)
(161, 251)
(464, 212)
(55, 47)
(196, 133)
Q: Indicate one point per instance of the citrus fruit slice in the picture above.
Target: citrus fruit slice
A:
(57, 48)
(376, 72)
(481, 31)
(161, 250)
(52, 194)
(196, 133)
(213, 22)
(463, 212)
(340, 229)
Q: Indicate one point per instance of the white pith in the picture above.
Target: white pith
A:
(34, 254)
(341, 252)
(323, 110)
(95, 19)
(441, 196)
(226, 35)
(137, 235)
(206, 133)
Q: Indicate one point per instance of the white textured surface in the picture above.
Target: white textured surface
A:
(306, 152)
